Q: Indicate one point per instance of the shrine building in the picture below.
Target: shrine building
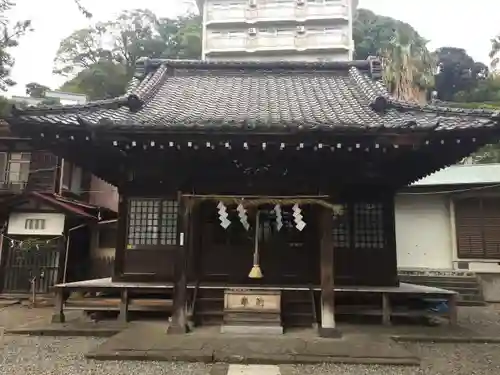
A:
(257, 183)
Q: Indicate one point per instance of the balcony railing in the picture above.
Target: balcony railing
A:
(276, 12)
(290, 41)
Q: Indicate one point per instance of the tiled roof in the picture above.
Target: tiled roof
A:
(181, 94)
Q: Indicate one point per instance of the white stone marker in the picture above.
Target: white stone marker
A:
(253, 370)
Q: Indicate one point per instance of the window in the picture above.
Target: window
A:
(76, 180)
(341, 232)
(66, 177)
(18, 167)
(34, 224)
(361, 226)
(71, 177)
(368, 225)
(227, 34)
(3, 166)
(477, 222)
(235, 34)
(152, 222)
(274, 31)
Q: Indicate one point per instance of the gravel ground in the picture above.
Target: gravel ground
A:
(443, 359)
(18, 316)
(484, 320)
(20, 355)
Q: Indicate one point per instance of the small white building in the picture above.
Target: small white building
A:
(65, 98)
(450, 221)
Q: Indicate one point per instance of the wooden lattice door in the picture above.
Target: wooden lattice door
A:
(289, 256)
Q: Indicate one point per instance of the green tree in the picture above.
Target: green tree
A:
(5, 107)
(10, 33)
(495, 51)
(408, 68)
(83, 9)
(486, 95)
(82, 49)
(102, 80)
(408, 65)
(36, 90)
(101, 59)
(457, 73)
(181, 37)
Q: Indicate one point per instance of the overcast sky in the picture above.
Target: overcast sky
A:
(458, 23)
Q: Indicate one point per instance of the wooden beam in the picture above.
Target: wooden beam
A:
(179, 321)
(327, 328)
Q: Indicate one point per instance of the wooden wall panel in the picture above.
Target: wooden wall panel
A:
(149, 264)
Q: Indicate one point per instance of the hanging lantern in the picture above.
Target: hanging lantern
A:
(279, 217)
(224, 221)
(297, 218)
(242, 214)
(256, 272)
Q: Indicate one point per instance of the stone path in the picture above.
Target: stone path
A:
(253, 370)
(148, 341)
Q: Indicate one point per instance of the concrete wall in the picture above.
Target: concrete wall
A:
(490, 282)
(423, 232)
(53, 224)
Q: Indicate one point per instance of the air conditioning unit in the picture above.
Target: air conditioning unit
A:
(301, 2)
(252, 31)
(252, 3)
(301, 29)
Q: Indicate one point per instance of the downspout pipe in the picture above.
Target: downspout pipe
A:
(70, 230)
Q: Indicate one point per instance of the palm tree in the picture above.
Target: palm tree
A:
(408, 67)
(495, 51)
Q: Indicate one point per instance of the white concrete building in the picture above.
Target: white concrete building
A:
(449, 223)
(304, 30)
(65, 98)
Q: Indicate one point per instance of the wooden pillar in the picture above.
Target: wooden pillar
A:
(121, 240)
(386, 309)
(327, 328)
(453, 310)
(124, 302)
(179, 322)
(58, 315)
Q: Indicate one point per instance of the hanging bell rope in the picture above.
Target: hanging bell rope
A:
(256, 272)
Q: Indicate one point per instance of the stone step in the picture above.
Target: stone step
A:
(471, 303)
(249, 315)
(440, 280)
(468, 287)
(247, 322)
